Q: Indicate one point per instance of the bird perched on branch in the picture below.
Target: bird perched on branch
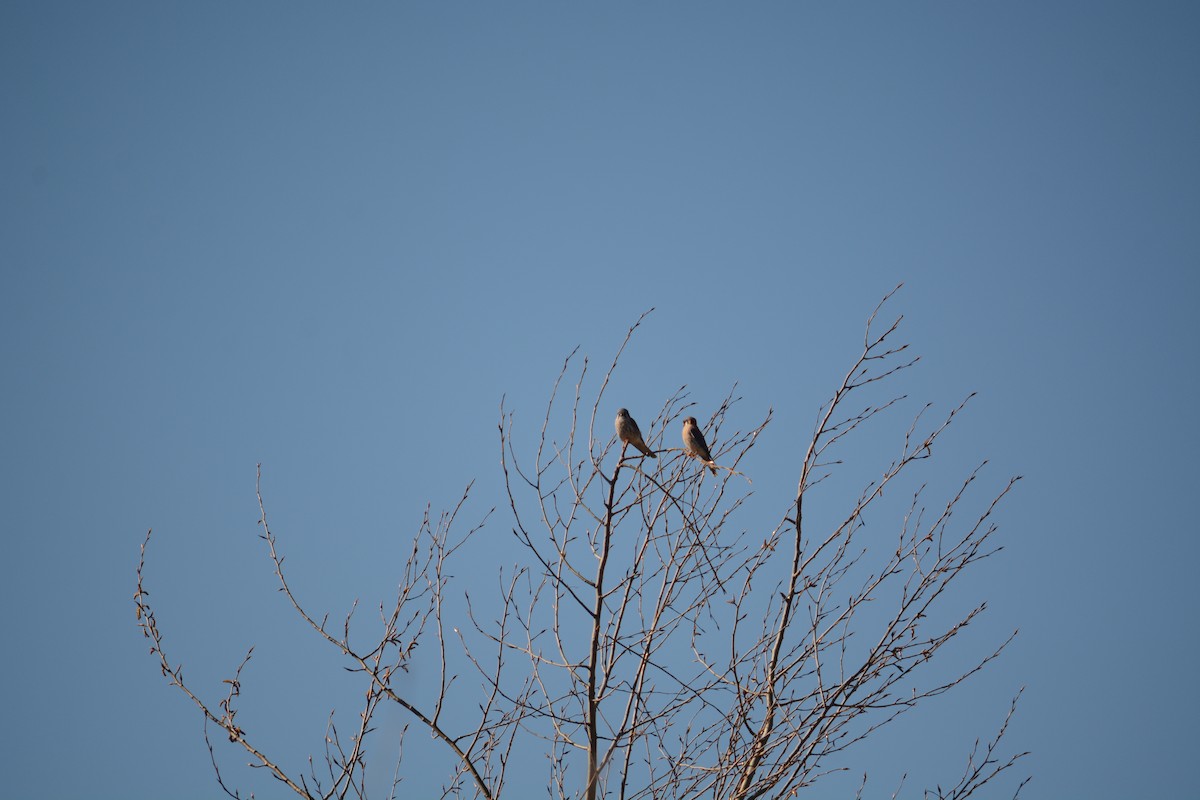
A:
(629, 434)
(694, 444)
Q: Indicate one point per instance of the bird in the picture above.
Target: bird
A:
(628, 432)
(693, 442)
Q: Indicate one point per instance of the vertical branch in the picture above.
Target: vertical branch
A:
(799, 724)
(593, 667)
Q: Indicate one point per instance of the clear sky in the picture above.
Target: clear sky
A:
(330, 237)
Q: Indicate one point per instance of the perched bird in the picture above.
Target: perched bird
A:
(693, 442)
(627, 432)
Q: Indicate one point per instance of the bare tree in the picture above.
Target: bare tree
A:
(647, 645)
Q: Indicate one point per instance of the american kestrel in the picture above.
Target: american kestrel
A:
(693, 442)
(627, 432)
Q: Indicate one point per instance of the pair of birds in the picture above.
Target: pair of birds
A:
(693, 438)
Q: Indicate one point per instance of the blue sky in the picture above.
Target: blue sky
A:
(330, 239)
